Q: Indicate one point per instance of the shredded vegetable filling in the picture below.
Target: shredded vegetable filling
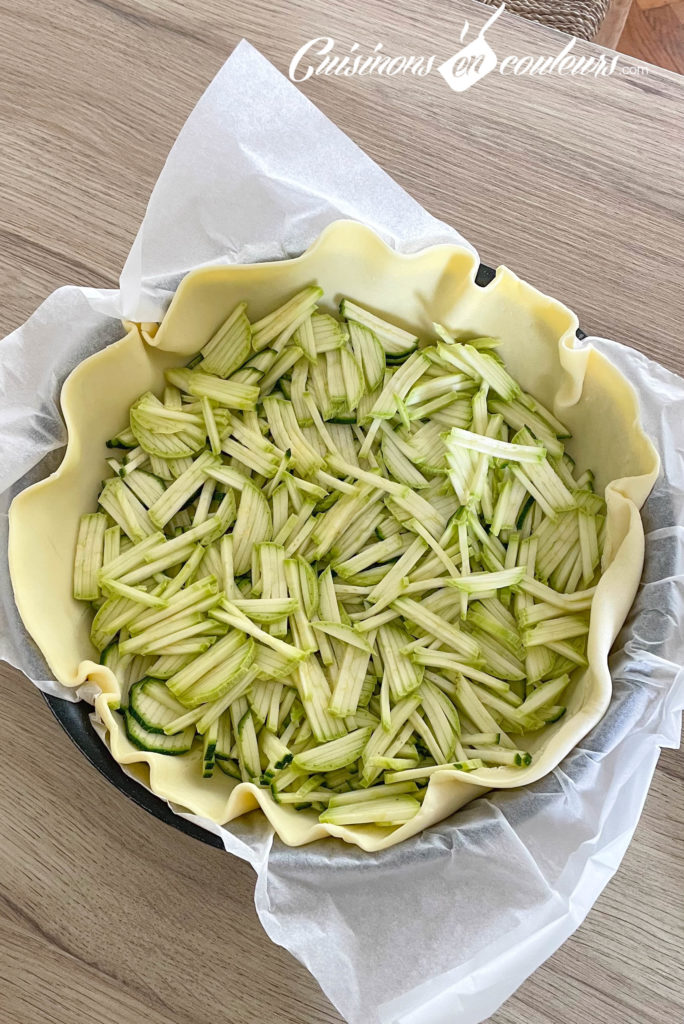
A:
(333, 559)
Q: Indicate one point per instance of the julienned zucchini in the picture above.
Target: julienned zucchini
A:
(396, 342)
(209, 750)
(338, 559)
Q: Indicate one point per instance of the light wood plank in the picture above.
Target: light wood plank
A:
(561, 150)
(115, 904)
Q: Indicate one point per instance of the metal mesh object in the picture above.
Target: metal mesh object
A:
(581, 18)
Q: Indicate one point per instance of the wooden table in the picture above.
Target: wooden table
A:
(106, 915)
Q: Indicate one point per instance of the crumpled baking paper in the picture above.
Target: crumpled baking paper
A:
(444, 927)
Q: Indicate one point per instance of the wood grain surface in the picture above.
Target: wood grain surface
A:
(654, 31)
(614, 22)
(106, 915)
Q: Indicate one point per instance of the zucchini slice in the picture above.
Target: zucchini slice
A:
(158, 743)
(152, 704)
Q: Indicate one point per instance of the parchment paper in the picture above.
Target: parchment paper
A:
(440, 929)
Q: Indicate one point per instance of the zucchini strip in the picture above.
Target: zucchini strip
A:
(89, 556)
